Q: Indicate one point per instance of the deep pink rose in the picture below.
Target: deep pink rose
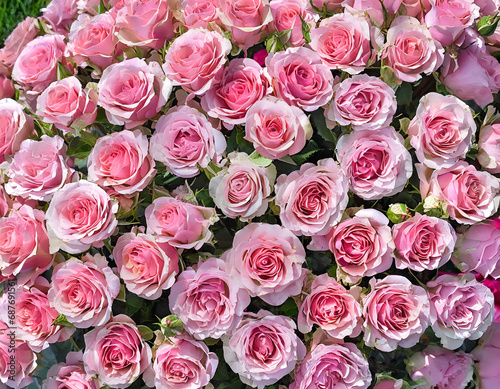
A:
(181, 224)
(485, 355)
(243, 83)
(147, 267)
(59, 14)
(263, 348)
(184, 139)
(7, 89)
(70, 374)
(461, 308)
(181, 363)
(289, 15)
(332, 308)
(300, 78)
(5, 202)
(423, 242)
(343, 42)
(312, 199)
(15, 126)
(396, 313)
(116, 352)
(132, 91)
(81, 214)
(243, 189)
(24, 33)
(363, 102)
(266, 260)
(494, 286)
(489, 148)
(84, 291)
(376, 162)
(199, 13)
(207, 301)
(195, 60)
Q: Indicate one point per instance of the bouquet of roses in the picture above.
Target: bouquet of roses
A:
(251, 193)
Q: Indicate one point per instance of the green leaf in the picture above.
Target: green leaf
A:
(62, 321)
(389, 77)
(78, 149)
(134, 303)
(203, 196)
(171, 325)
(318, 119)
(306, 30)
(310, 149)
(289, 308)
(487, 25)
(259, 160)
(88, 138)
(404, 93)
(62, 71)
(146, 332)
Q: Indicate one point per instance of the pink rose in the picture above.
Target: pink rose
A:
(417, 8)
(343, 42)
(441, 130)
(243, 189)
(5, 202)
(147, 267)
(333, 308)
(121, 161)
(195, 60)
(80, 215)
(7, 89)
(471, 195)
(329, 5)
(70, 374)
(376, 162)
(206, 300)
(486, 355)
(243, 83)
(181, 363)
(276, 129)
(148, 24)
(288, 15)
(312, 199)
(494, 286)
(363, 102)
(389, 384)
(377, 11)
(396, 313)
(489, 148)
(199, 13)
(440, 368)
(300, 78)
(132, 91)
(24, 33)
(84, 291)
(59, 14)
(410, 50)
(332, 366)
(423, 242)
(461, 308)
(263, 348)
(24, 247)
(184, 139)
(180, 224)
(116, 352)
(15, 126)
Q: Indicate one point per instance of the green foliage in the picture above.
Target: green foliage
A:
(13, 12)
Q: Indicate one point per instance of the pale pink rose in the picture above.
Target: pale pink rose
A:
(410, 50)
(374, 9)
(243, 189)
(263, 348)
(485, 356)
(39, 169)
(363, 102)
(376, 162)
(84, 291)
(94, 40)
(312, 199)
(441, 130)
(471, 195)
(417, 8)
(266, 260)
(7, 89)
(132, 91)
(243, 83)
(396, 313)
(343, 42)
(461, 308)
(332, 308)
(300, 78)
(147, 267)
(15, 126)
(288, 15)
(478, 249)
(246, 19)
(276, 129)
(185, 140)
(332, 366)
(447, 19)
(70, 374)
(180, 224)
(206, 300)
(59, 14)
(24, 247)
(489, 148)
(116, 352)
(440, 368)
(195, 60)
(199, 13)
(423, 242)
(121, 161)
(145, 23)
(24, 33)
(80, 215)
(181, 363)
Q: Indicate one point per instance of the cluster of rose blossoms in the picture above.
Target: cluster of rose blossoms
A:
(196, 162)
